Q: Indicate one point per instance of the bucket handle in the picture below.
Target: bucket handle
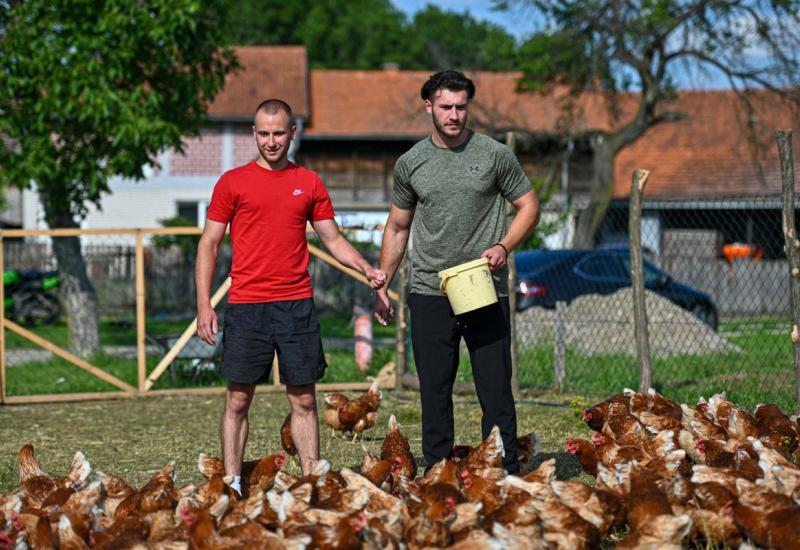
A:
(443, 284)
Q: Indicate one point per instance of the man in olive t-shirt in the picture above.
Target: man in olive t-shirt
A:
(453, 186)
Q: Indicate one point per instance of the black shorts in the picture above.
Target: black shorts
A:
(253, 332)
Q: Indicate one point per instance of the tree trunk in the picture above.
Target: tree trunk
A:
(77, 292)
(590, 218)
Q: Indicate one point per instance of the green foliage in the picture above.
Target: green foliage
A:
(612, 46)
(444, 39)
(186, 243)
(544, 229)
(364, 34)
(94, 89)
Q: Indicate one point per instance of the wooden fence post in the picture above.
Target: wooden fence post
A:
(401, 324)
(637, 279)
(559, 341)
(792, 248)
(511, 142)
(141, 350)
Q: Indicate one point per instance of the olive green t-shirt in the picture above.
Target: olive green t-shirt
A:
(458, 200)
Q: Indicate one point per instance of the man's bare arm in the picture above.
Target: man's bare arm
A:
(523, 224)
(207, 250)
(346, 253)
(393, 247)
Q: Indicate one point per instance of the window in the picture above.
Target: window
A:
(194, 211)
(602, 267)
(651, 274)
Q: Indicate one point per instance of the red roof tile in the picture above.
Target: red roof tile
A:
(709, 155)
(387, 104)
(267, 71)
(706, 155)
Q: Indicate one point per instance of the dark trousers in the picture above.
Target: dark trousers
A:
(436, 335)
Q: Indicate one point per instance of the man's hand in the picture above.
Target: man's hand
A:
(384, 312)
(207, 325)
(377, 278)
(497, 257)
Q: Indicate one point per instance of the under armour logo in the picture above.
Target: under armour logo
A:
(473, 169)
(297, 192)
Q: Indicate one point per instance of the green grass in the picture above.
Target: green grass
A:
(763, 372)
(57, 376)
(113, 332)
(122, 332)
(133, 438)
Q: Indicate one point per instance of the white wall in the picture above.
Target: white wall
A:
(131, 204)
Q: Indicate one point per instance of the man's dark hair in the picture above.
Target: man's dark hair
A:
(447, 80)
(273, 106)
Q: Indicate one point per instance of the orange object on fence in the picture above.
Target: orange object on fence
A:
(733, 251)
(363, 339)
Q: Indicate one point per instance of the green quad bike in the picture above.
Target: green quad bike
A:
(30, 296)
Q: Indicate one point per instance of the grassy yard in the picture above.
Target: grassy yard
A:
(133, 438)
(762, 372)
(55, 375)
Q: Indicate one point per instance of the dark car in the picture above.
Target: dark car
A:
(549, 276)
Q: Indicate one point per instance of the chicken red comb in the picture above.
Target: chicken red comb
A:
(598, 438)
(586, 415)
(280, 459)
(702, 407)
(464, 474)
(727, 509)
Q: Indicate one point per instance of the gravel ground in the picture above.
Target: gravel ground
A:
(601, 325)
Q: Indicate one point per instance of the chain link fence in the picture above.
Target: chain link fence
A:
(718, 305)
(36, 301)
(717, 302)
(42, 347)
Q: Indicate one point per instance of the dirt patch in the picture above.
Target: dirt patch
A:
(603, 325)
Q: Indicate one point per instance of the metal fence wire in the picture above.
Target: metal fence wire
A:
(717, 303)
(168, 265)
(717, 299)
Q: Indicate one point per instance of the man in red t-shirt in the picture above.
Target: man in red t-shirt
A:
(268, 203)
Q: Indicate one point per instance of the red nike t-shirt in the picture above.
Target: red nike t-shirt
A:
(268, 211)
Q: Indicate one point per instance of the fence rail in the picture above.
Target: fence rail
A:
(120, 273)
(581, 343)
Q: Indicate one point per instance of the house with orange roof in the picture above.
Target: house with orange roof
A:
(352, 126)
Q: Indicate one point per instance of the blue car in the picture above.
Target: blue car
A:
(545, 277)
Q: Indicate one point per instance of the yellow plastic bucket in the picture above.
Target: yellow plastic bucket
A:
(468, 286)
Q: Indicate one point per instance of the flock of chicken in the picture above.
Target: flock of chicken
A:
(712, 474)
(667, 475)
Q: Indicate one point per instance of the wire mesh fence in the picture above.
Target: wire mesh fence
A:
(717, 302)
(717, 286)
(60, 320)
(54, 332)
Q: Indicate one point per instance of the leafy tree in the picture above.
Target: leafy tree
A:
(445, 39)
(616, 46)
(365, 34)
(337, 34)
(91, 89)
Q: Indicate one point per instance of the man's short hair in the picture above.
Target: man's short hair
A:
(273, 106)
(447, 80)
